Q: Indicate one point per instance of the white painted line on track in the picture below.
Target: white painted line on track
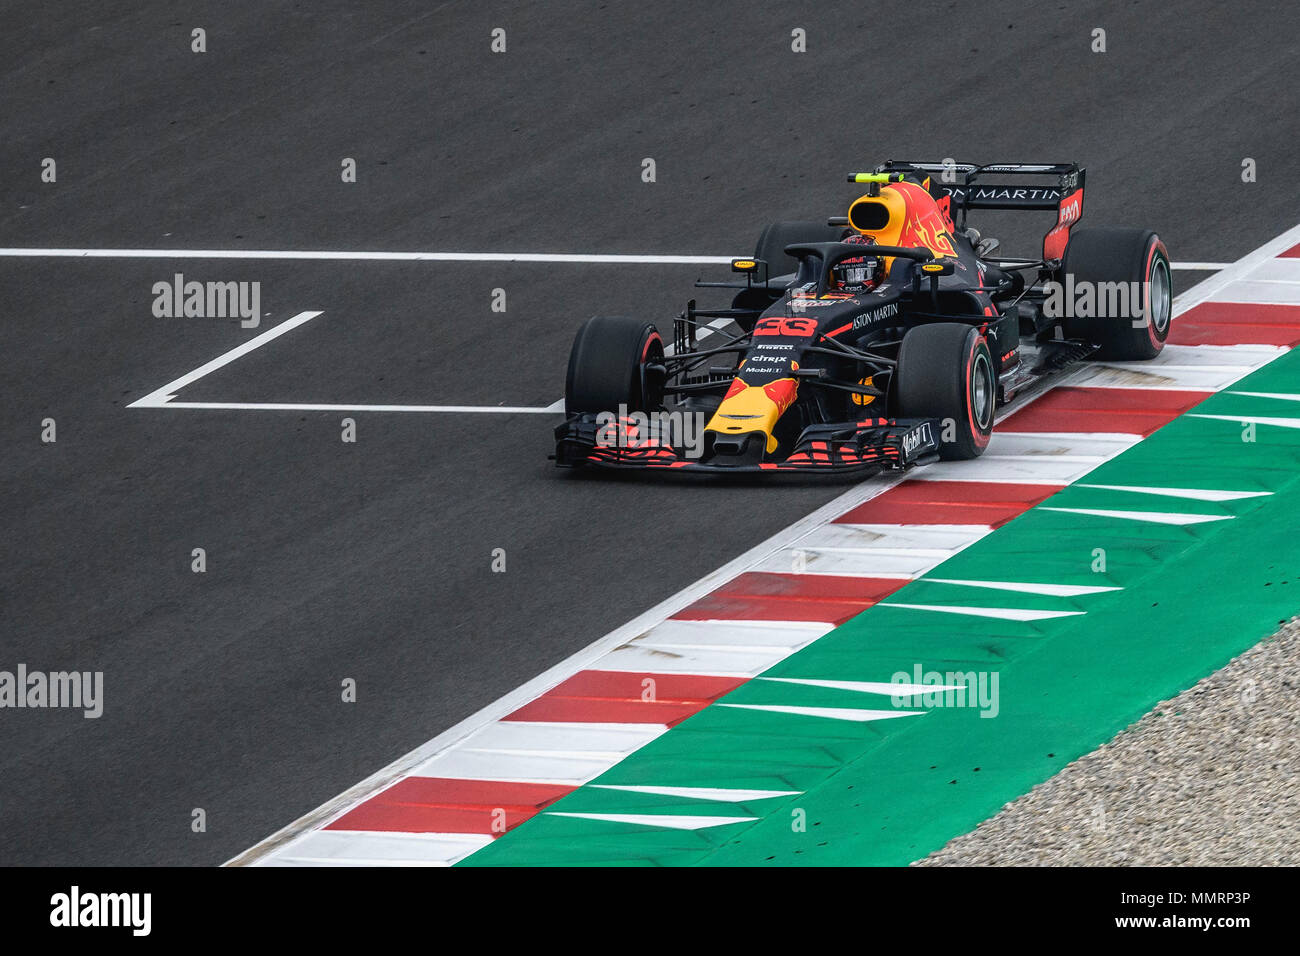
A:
(308, 407)
(1026, 615)
(830, 713)
(164, 397)
(1206, 289)
(358, 256)
(867, 686)
(718, 794)
(383, 256)
(669, 821)
(160, 397)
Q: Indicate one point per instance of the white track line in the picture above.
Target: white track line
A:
(164, 397)
(299, 407)
(344, 255)
(357, 256)
(1207, 288)
(161, 396)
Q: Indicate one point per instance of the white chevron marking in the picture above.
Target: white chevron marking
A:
(1155, 517)
(671, 822)
(702, 793)
(1004, 613)
(1197, 494)
(833, 713)
(1025, 587)
(865, 686)
(1280, 396)
(1254, 420)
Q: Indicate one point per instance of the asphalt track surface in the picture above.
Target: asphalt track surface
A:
(371, 560)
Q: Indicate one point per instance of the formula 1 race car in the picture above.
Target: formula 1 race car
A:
(882, 339)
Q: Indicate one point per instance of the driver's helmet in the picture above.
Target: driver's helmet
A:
(860, 272)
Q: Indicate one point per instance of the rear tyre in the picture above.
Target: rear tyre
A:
(608, 366)
(1127, 327)
(945, 371)
(774, 239)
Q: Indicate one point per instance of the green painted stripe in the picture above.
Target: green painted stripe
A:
(887, 792)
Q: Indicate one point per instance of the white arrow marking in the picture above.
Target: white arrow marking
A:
(703, 793)
(657, 819)
(1155, 517)
(1004, 613)
(867, 687)
(1197, 494)
(1052, 590)
(1281, 396)
(833, 713)
(1254, 420)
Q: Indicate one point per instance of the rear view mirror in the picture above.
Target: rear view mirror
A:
(940, 267)
(753, 268)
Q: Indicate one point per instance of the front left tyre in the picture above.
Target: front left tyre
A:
(615, 361)
(945, 372)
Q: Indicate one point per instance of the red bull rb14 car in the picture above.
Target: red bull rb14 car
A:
(881, 339)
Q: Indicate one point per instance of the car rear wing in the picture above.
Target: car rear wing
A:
(969, 186)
